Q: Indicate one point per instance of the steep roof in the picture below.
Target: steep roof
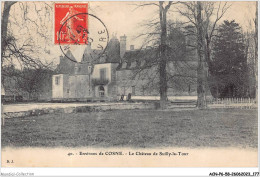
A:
(111, 54)
(113, 51)
(132, 59)
(91, 56)
(66, 66)
(70, 55)
(138, 58)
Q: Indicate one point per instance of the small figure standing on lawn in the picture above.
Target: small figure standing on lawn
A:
(122, 97)
(129, 97)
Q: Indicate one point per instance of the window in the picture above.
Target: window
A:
(68, 90)
(123, 75)
(101, 91)
(89, 69)
(133, 90)
(103, 74)
(57, 80)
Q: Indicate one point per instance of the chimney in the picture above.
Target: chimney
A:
(122, 45)
(132, 47)
(61, 60)
(76, 68)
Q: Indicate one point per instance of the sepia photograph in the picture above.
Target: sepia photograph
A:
(129, 84)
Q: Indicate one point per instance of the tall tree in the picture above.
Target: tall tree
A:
(23, 36)
(256, 50)
(201, 71)
(251, 47)
(158, 38)
(163, 53)
(229, 61)
(167, 65)
(4, 23)
(25, 47)
(203, 16)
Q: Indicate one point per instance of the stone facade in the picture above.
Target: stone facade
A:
(118, 73)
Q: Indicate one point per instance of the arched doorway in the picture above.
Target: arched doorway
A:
(101, 91)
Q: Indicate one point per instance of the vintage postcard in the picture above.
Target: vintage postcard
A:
(129, 84)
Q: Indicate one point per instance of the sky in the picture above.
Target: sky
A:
(124, 18)
(120, 18)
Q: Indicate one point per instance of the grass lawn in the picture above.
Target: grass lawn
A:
(135, 128)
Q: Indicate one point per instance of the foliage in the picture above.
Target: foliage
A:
(181, 70)
(22, 46)
(180, 67)
(229, 71)
(203, 17)
(28, 80)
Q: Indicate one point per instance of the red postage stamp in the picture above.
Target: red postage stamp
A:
(71, 23)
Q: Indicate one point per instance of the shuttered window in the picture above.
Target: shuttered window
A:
(57, 80)
(103, 74)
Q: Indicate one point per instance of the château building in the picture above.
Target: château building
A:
(119, 71)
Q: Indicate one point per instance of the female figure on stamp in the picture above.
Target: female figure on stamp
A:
(70, 25)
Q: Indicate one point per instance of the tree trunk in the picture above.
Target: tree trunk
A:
(208, 66)
(4, 24)
(162, 64)
(201, 74)
(5, 17)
